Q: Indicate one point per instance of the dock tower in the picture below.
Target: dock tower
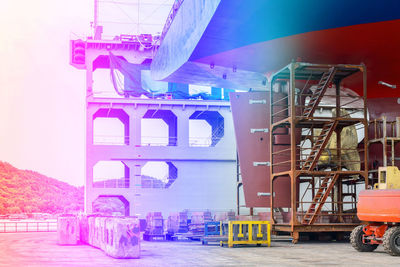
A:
(200, 175)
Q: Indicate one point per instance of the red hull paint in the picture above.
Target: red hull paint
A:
(374, 44)
(254, 147)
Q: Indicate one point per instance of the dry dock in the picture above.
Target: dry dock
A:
(40, 249)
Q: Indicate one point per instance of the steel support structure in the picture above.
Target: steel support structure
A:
(309, 105)
(384, 135)
(201, 177)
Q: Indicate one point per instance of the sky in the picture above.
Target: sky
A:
(42, 97)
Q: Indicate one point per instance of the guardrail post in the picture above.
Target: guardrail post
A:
(230, 235)
(259, 233)
(240, 234)
(250, 227)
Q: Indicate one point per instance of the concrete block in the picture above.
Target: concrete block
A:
(101, 237)
(122, 237)
(67, 230)
(83, 229)
(90, 230)
(93, 232)
(96, 233)
(118, 237)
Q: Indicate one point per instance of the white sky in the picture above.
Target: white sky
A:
(42, 97)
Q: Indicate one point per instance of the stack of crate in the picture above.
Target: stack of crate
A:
(224, 216)
(196, 227)
(177, 222)
(155, 227)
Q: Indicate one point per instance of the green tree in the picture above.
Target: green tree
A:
(3, 209)
(14, 210)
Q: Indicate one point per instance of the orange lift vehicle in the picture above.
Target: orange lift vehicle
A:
(380, 210)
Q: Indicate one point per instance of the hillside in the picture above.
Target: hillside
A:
(24, 191)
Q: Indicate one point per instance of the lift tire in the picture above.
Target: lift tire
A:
(356, 240)
(391, 241)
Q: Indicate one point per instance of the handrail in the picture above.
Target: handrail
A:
(381, 126)
(102, 139)
(170, 18)
(102, 182)
(28, 226)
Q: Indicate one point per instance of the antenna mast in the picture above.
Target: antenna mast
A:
(96, 13)
(98, 30)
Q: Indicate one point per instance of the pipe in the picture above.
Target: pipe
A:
(393, 86)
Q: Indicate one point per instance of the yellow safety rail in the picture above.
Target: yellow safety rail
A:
(243, 234)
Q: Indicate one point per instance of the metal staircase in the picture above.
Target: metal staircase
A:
(323, 84)
(321, 194)
(319, 199)
(319, 145)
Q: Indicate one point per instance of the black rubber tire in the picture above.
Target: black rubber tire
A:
(356, 240)
(391, 241)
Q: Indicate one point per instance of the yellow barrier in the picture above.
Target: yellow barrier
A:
(248, 232)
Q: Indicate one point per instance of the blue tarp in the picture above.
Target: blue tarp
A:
(137, 82)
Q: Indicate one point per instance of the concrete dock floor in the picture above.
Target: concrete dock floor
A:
(41, 249)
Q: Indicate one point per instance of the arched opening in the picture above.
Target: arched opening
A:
(108, 205)
(110, 174)
(102, 83)
(110, 127)
(200, 133)
(158, 174)
(159, 128)
(214, 120)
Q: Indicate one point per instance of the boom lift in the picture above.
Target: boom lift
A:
(380, 210)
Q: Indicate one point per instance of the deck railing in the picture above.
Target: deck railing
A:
(170, 18)
(28, 226)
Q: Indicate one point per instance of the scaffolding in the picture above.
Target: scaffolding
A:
(385, 136)
(315, 147)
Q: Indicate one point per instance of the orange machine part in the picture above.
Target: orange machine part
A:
(379, 205)
(375, 229)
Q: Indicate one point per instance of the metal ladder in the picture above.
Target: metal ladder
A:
(319, 145)
(320, 198)
(323, 84)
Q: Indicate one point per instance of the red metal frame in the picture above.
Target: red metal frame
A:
(373, 233)
(295, 83)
